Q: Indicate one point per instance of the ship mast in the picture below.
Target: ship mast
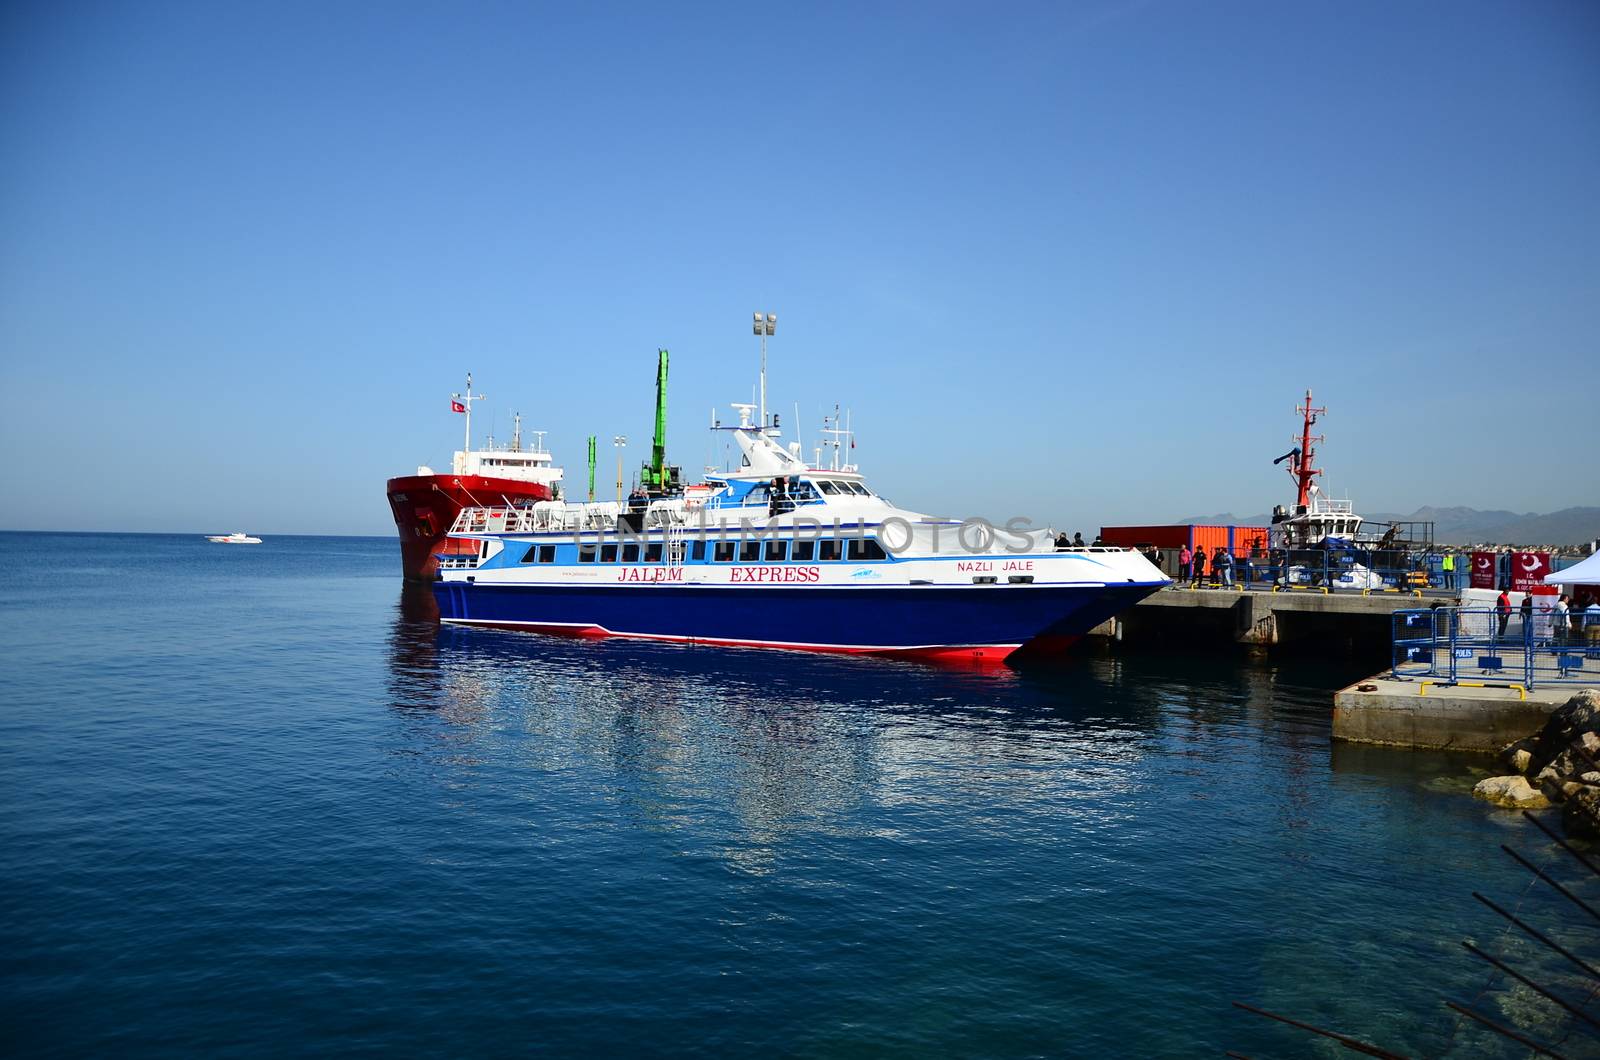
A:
(466, 400)
(1301, 468)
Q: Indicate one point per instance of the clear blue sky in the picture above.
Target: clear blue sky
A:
(1072, 261)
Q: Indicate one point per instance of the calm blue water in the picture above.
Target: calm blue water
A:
(254, 801)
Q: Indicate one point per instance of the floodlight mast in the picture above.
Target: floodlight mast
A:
(765, 324)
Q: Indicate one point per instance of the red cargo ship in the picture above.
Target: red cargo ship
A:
(425, 504)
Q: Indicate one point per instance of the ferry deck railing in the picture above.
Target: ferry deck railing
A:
(1454, 644)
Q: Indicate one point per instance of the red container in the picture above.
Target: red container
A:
(1141, 536)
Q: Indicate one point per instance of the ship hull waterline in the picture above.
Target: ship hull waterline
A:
(956, 624)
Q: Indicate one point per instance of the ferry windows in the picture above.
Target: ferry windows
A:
(608, 553)
(830, 488)
(749, 551)
(630, 553)
(856, 487)
(652, 552)
(724, 552)
(828, 549)
(777, 551)
(697, 551)
(586, 553)
(528, 556)
(804, 551)
(867, 549)
(547, 553)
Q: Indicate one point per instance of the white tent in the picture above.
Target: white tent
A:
(1584, 573)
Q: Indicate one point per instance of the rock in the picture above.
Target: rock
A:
(1512, 792)
(1590, 777)
(1568, 790)
(1578, 716)
(1519, 754)
(1576, 821)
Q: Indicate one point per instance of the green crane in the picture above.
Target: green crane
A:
(591, 467)
(657, 477)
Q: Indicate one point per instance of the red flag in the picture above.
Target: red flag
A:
(456, 406)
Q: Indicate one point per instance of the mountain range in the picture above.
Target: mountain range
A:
(1461, 526)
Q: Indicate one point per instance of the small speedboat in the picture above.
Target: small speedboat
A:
(238, 537)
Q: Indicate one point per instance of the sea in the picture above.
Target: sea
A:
(255, 801)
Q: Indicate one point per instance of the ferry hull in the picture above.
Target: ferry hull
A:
(425, 506)
(979, 624)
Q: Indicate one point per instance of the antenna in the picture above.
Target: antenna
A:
(466, 400)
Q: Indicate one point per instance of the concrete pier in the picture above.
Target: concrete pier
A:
(1260, 617)
(1405, 712)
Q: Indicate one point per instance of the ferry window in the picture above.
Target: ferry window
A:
(547, 553)
(804, 551)
(697, 551)
(828, 487)
(608, 553)
(724, 552)
(777, 551)
(652, 552)
(586, 553)
(749, 551)
(859, 488)
(827, 549)
(528, 556)
(630, 553)
(868, 549)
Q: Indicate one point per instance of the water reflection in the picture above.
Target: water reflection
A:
(779, 741)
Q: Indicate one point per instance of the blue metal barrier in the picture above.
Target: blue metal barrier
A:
(1453, 644)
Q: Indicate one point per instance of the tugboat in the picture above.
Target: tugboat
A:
(1316, 517)
(427, 503)
(778, 554)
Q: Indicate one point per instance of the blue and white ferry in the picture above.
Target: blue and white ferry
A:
(780, 554)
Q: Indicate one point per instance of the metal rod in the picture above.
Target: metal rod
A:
(1531, 867)
(1344, 1040)
(1562, 843)
(1504, 967)
(1508, 1032)
(1534, 933)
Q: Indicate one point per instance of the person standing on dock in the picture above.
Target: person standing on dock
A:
(1222, 566)
(1199, 567)
(1185, 563)
(1447, 568)
(1502, 606)
(1527, 613)
(1559, 619)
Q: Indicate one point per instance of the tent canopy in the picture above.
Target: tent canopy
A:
(1584, 573)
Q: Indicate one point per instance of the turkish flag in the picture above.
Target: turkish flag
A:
(1484, 569)
(456, 406)
(1528, 570)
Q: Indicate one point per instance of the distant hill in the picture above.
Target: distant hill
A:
(1460, 526)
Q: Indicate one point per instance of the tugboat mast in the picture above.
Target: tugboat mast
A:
(1300, 467)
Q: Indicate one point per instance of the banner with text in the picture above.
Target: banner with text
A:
(1483, 570)
(1528, 569)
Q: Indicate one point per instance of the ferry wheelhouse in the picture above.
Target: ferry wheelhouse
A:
(779, 554)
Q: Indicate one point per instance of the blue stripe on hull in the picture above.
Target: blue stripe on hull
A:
(884, 618)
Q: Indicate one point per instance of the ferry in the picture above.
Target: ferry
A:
(782, 554)
(238, 537)
(427, 503)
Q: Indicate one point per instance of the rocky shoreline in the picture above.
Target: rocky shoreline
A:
(1558, 767)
